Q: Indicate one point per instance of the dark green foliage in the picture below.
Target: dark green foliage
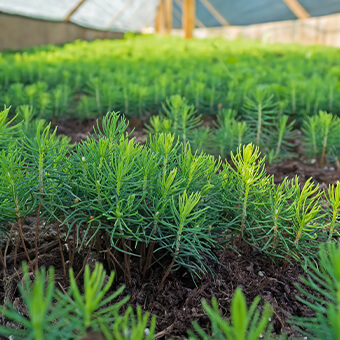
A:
(143, 195)
(229, 133)
(322, 296)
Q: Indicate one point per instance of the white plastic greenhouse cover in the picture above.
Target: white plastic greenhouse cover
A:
(112, 15)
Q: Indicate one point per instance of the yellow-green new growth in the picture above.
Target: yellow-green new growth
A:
(251, 172)
(333, 199)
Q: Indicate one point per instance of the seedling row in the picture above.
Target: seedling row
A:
(276, 136)
(136, 75)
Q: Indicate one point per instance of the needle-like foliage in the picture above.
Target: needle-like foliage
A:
(321, 137)
(244, 323)
(52, 314)
(322, 296)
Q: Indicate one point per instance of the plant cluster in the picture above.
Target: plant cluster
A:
(136, 75)
(158, 200)
(161, 203)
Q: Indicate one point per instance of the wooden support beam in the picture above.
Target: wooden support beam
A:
(119, 14)
(198, 22)
(189, 10)
(168, 16)
(73, 10)
(160, 22)
(297, 9)
(215, 13)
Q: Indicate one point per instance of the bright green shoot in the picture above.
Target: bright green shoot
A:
(244, 323)
(55, 315)
(7, 129)
(250, 172)
(179, 118)
(186, 204)
(38, 298)
(282, 212)
(333, 198)
(92, 307)
(131, 326)
(307, 207)
(259, 112)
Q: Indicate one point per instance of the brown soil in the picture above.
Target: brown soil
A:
(178, 304)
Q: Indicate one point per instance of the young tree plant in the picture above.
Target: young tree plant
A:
(321, 293)
(244, 323)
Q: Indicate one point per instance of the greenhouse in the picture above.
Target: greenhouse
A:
(169, 169)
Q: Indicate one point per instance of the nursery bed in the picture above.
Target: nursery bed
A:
(177, 305)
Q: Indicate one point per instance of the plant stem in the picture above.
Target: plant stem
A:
(2, 261)
(23, 242)
(127, 272)
(322, 160)
(41, 188)
(85, 260)
(331, 228)
(166, 274)
(259, 125)
(244, 213)
(61, 253)
(36, 236)
(150, 250)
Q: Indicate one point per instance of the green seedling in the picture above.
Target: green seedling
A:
(7, 129)
(249, 182)
(321, 135)
(333, 198)
(321, 293)
(259, 113)
(180, 115)
(244, 323)
(137, 326)
(43, 319)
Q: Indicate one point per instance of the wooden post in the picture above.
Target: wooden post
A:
(176, 13)
(73, 10)
(168, 16)
(215, 13)
(188, 18)
(159, 24)
(297, 9)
